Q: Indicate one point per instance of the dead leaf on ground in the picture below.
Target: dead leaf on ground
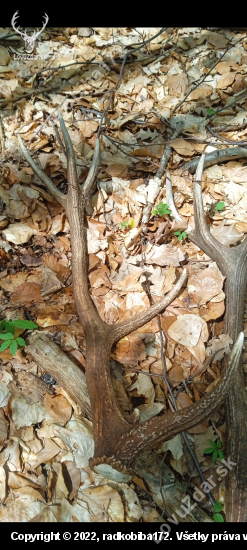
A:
(187, 330)
(58, 408)
(205, 284)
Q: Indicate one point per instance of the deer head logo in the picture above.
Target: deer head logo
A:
(29, 40)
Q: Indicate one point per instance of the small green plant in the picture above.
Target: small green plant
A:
(180, 235)
(217, 509)
(126, 224)
(211, 111)
(161, 209)
(8, 337)
(215, 449)
(219, 206)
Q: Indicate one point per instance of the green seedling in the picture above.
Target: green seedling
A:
(180, 235)
(217, 509)
(211, 111)
(219, 206)
(126, 224)
(161, 209)
(7, 335)
(215, 449)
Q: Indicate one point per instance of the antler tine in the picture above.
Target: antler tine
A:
(170, 199)
(201, 235)
(72, 172)
(120, 330)
(86, 187)
(152, 432)
(58, 195)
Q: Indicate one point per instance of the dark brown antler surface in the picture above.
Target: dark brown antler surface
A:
(233, 264)
(118, 443)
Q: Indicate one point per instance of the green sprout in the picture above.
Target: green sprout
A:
(161, 209)
(219, 206)
(211, 111)
(215, 449)
(126, 224)
(180, 235)
(8, 335)
(217, 509)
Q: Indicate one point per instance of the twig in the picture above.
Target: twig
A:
(227, 105)
(172, 396)
(225, 140)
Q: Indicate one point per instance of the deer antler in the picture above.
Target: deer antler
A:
(13, 22)
(117, 443)
(233, 264)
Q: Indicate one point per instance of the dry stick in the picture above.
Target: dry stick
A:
(230, 128)
(118, 444)
(225, 140)
(240, 96)
(232, 263)
(30, 93)
(144, 43)
(184, 435)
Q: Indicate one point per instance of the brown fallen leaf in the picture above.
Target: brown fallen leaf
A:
(205, 284)
(177, 84)
(187, 330)
(183, 147)
(130, 350)
(185, 401)
(50, 316)
(58, 408)
(166, 254)
(30, 261)
(53, 263)
(221, 343)
(226, 234)
(214, 310)
(225, 80)
(176, 376)
(50, 283)
(201, 92)
(27, 293)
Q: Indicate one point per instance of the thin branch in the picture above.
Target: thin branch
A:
(225, 140)
(240, 96)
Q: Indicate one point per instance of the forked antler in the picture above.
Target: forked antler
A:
(233, 264)
(117, 442)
